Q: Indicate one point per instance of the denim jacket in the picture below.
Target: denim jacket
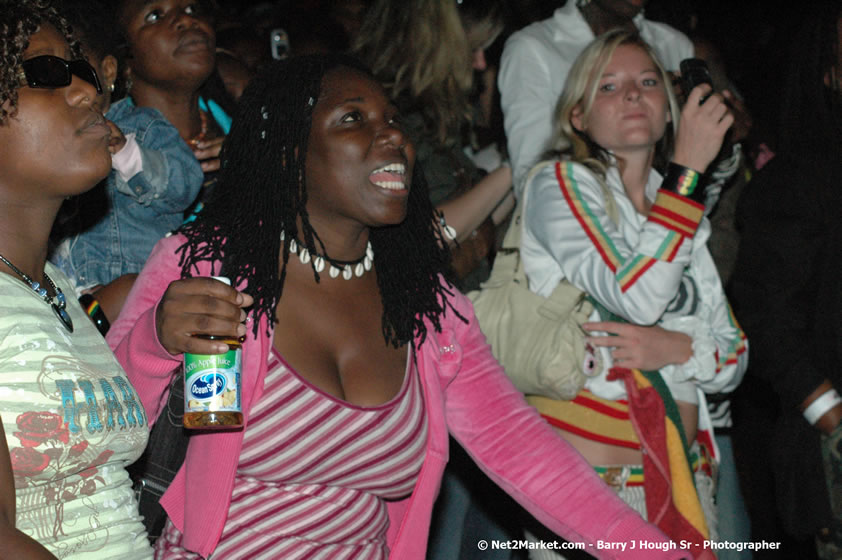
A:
(141, 210)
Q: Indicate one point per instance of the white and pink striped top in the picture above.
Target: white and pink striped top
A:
(314, 473)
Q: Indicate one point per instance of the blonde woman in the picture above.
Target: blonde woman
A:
(620, 217)
(425, 52)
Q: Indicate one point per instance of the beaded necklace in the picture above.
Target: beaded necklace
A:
(57, 302)
(203, 131)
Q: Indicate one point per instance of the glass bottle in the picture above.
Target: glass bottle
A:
(212, 385)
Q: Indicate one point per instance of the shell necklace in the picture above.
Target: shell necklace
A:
(348, 269)
(57, 302)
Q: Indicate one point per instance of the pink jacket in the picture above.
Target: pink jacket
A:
(466, 393)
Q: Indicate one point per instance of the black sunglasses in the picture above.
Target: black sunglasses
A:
(51, 72)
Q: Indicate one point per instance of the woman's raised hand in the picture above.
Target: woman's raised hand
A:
(200, 306)
(702, 129)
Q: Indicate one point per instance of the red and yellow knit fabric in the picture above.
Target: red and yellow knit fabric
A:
(642, 422)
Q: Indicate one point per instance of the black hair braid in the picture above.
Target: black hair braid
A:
(262, 193)
(19, 20)
(410, 257)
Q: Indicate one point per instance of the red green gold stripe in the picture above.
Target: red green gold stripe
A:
(590, 417)
(92, 308)
(634, 270)
(635, 476)
(670, 247)
(676, 213)
(687, 182)
(590, 224)
(737, 347)
(618, 409)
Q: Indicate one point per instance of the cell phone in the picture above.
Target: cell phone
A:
(694, 71)
(279, 43)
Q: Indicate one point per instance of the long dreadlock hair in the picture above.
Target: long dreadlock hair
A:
(19, 20)
(262, 193)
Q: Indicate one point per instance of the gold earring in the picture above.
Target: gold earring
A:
(111, 88)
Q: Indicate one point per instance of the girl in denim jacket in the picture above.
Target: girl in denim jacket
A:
(154, 178)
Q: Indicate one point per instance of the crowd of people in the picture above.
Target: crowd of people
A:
(351, 169)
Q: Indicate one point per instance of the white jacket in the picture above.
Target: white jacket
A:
(648, 270)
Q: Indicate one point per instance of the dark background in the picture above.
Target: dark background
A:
(749, 34)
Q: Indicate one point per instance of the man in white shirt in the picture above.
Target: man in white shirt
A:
(537, 58)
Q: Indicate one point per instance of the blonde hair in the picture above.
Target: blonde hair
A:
(483, 21)
(579, 93)
(418, 49)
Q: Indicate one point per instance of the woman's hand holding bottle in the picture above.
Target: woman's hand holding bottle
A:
(200, 305)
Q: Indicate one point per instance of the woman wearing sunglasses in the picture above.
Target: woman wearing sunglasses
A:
(71, 421)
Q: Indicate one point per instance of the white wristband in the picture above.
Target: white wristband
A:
(821, 405)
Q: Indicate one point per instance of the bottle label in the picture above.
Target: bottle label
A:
(212, 382)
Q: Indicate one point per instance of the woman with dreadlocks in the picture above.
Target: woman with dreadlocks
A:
(359, 354)
(70, 419)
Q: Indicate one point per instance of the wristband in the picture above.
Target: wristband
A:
(94, 311)
(684, 181)
(821, 405)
